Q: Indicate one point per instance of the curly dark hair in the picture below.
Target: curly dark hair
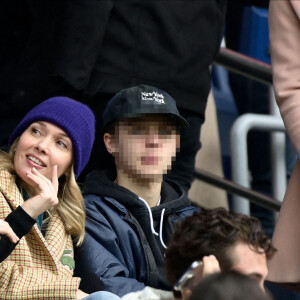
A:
(214, 232)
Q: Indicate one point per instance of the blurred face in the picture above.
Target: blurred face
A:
(43, 145)
(249, 262)
(145, 148)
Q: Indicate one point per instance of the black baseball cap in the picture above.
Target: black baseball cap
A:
(139, 101)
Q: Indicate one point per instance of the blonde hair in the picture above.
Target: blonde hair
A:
(71, 204)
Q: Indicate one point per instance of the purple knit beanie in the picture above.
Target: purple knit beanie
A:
(74, 117)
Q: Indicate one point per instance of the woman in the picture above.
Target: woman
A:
(39, 198)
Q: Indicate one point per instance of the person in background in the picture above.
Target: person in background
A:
(236, 241)
(210, 242)
(38, 191)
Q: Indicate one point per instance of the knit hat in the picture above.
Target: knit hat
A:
(74, 117)
(138, 101)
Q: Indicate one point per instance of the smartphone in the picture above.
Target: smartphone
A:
(190, 273)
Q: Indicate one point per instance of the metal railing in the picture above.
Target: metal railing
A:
(234, 188)
(244, 65)
(259, 71)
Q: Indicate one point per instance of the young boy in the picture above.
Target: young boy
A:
(132, 211)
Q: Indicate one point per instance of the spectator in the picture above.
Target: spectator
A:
(131, 214)
(237, 241)
(49, 147)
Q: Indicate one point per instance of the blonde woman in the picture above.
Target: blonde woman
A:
(41, 201)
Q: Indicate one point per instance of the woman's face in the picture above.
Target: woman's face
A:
(43, 145)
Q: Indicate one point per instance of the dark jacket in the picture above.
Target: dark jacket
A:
(105, 46)
(122, 251)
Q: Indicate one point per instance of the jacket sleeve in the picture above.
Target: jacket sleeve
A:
(284, 27)
(20, 282)
(101, 261)
(21, 223)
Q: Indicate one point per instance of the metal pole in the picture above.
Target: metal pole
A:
(239, 151)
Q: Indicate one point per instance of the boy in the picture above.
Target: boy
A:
(131, 213)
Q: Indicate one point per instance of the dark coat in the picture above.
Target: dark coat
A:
(104, 46)
(121, 252)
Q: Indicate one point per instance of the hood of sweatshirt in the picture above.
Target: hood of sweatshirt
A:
(101, 183)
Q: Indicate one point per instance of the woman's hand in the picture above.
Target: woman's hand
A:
(46, 197)
(80, 295)
(6, 230)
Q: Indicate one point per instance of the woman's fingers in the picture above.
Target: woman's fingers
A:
(40, 179)
(36, 177)
(33, 177)
(46, 192)
(47, 189)
(35, 172)
(55, 178)
(6, 230)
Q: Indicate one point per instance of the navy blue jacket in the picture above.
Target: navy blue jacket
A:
(122, 250)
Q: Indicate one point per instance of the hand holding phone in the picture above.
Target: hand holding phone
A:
(195, 273)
